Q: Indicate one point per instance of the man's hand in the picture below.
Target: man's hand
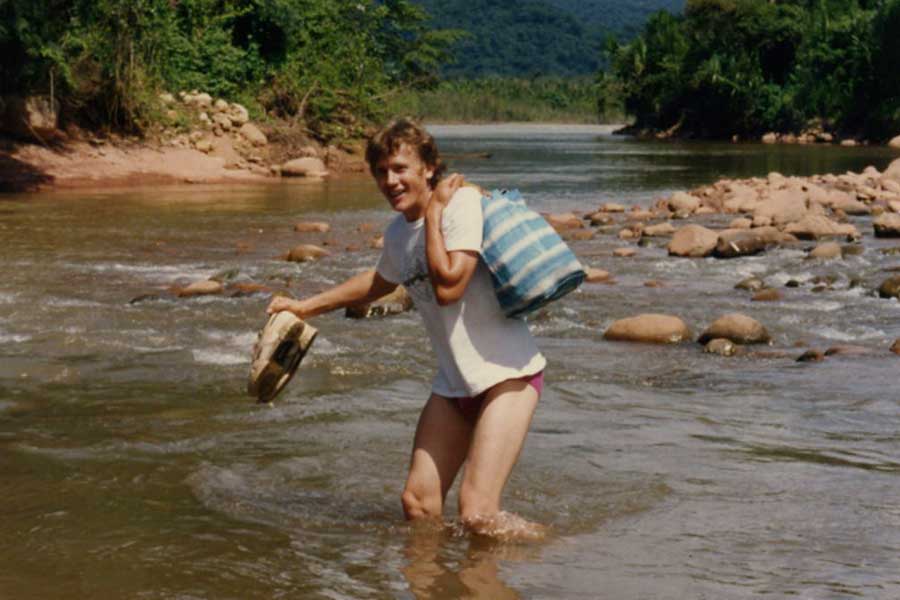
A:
(281, 303)
(446, 188)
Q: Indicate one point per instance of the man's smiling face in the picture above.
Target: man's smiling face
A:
(403, 179)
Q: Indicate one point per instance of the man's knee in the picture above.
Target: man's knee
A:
(420, 505)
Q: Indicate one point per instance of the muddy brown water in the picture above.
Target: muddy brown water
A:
(133, 465)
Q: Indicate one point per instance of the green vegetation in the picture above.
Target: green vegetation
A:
(536, 37)
(496, 99)
(322, 64)
(745, 67)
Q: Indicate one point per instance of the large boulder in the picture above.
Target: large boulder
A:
(890, 288)
(32, 118)
(304, 167)
(738, 328)
(683, 202)
(887, 225)
(693, 241)
(812, 227)
(253, 134)
(893, 171)
(783, 207)
(733, 243)
(649, 328)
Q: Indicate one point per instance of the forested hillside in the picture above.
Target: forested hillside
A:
(546, 37)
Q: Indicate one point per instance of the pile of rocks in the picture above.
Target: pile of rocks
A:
(224, 129)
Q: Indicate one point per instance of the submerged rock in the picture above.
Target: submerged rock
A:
(767, 295)
(200, 288)
(890, 288)
(751, 284)
(738, 328)
(721, 346)
(306, 252)
(649, 328)
(312, 227)
(811, 356)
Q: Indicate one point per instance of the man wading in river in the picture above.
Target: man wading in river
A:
(489, 372)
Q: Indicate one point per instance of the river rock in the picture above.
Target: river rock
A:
(306, 252)
(612, 207)
(811, 356)
(200, 288)
(812, 227)
(394, 303)
(887, 225)
(596, 275)
(247, 288)
(624, 252)
(601, 218)
(659, 230)
(578, 235)
(895, 347)
(312, 227)
(683, 202)
(649, 328)
(741, 223)
(721, 346)
(693, 241)
(895, 142)
(893, 171)
(253, 134)
(31, 117)
(304, 167)
(739, 242)
(766, 295)
(738, 328)
(848, 350)
(563, 221)
(828, 250)
(782, 207)
(890, 288)
(751, 284)
(238, 114)
(222, 120)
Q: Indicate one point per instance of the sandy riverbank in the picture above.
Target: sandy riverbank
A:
(80, 164)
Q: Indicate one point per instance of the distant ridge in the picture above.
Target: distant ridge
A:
(538, 37)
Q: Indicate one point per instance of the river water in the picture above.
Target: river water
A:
(133, 465)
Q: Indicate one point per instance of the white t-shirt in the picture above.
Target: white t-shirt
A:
(476, 345)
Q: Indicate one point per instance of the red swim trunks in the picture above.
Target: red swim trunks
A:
(470, 406)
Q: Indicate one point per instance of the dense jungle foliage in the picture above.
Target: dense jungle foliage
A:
(325, 65)
(745, 67)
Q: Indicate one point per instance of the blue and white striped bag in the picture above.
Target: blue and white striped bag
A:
(529, 263)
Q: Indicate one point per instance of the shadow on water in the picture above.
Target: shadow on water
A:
(17, 176)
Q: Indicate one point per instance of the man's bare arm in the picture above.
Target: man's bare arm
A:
(359, 289)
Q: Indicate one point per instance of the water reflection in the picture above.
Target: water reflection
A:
(433, 570)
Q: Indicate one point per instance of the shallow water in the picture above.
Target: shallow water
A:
(134, 466)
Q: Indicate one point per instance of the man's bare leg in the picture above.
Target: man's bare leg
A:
(497, 441)
(440, 446)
